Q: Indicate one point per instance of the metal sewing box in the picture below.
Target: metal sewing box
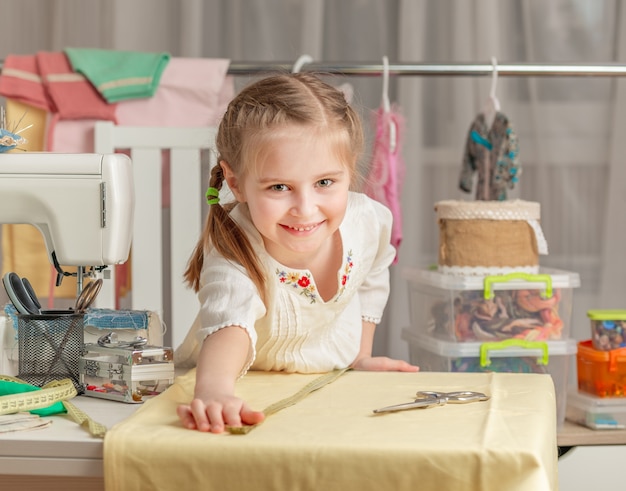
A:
(126, 372)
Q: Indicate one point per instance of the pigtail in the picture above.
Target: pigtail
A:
(226, 236)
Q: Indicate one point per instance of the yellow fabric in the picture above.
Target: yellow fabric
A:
(331, 440)
(23, 248)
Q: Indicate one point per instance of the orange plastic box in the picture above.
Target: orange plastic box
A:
(601, 373)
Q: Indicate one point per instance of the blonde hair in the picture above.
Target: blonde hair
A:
(270, 103)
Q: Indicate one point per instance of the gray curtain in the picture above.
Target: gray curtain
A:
(569, 128)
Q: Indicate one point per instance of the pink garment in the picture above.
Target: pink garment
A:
(386, 173)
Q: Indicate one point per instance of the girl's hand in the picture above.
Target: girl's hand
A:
(215, 414)
(382, 364)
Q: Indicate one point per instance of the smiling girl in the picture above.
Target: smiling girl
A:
(294, 275)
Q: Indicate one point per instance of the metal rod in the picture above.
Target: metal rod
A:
(434, 69)
(438, 69)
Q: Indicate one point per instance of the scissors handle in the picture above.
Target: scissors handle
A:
(422, 402)
(458, 397)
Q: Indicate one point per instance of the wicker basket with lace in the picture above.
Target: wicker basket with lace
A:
(489, 237)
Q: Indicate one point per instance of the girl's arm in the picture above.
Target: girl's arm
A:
(221, 359)
(365, 360)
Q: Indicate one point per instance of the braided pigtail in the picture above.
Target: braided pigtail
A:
(224, 234)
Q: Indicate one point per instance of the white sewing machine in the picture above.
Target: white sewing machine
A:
(82, 204)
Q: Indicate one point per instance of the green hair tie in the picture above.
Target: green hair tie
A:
(212, 196)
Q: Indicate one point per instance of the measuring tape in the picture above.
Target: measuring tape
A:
(316, 384)
(55, 391)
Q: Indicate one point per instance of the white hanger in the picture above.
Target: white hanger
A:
(493, 104)
(300, 62)
(387, 105)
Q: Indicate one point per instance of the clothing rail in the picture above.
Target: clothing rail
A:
(434, 69)
(438, 69)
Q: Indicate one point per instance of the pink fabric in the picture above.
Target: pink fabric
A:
(386, 173)
(46, 81)
(20, 80)
(72, 94)
(192, 92)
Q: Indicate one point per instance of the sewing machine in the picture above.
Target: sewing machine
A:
(81, 203)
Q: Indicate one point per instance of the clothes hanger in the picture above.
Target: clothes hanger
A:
(387, 106)
(300, 62)
(346, 88)
(493, 104)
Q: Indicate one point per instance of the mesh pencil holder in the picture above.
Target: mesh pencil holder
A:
(50, 346)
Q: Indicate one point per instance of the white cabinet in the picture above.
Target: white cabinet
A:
(588, 468)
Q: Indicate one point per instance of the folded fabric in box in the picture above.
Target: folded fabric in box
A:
(116, 319)
(128, 325)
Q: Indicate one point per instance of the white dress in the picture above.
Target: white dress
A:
(298, 331)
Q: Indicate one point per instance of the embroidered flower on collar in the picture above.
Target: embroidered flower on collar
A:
(347, 269)
(304, 283)
(299, 281)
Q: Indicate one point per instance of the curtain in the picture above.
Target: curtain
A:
(570, 129)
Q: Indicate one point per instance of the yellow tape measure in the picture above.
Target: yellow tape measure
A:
(56, 391)
(316, 384)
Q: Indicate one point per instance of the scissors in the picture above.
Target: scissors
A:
(427, 399)
(88, 295)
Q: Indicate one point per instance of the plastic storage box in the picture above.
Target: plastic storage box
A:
(535, 307)
(608, 329)
(597, 413)
(510, 356)
(601, 373)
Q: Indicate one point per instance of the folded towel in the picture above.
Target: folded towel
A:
(119, 75)
(72, 94)
(20, 81)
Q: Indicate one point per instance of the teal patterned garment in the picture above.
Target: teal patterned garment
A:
(494, 154)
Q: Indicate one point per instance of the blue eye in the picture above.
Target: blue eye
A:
(278, 187)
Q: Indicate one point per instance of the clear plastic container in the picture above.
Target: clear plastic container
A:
(597, 413)
(608, 329)
(535, 307)
(509, 356)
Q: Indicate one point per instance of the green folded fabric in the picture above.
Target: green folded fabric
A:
(119, 75)
(9, 388)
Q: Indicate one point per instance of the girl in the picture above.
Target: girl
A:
(293, 276)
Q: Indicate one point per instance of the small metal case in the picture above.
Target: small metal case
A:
(126, 374)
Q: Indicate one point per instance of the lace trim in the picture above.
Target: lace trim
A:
(488, 210)
(486, 271)
(542, 244)
(374, 320)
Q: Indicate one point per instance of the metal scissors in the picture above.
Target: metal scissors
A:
(425, 399)
(88, 295)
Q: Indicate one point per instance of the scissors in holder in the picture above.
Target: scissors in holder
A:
(425, 399)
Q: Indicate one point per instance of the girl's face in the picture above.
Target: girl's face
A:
(297, 195)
